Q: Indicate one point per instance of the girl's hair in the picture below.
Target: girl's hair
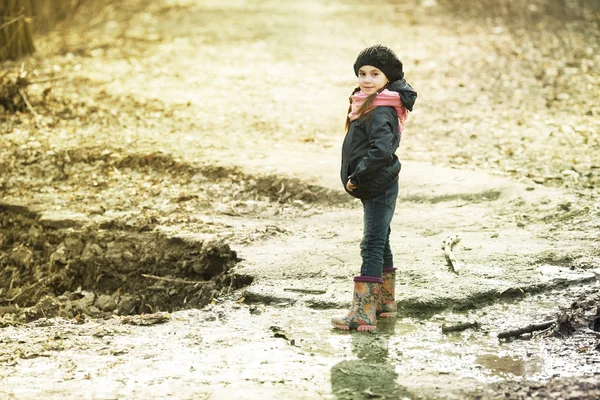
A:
(364, 107)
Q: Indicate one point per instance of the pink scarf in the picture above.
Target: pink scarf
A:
(385, 98)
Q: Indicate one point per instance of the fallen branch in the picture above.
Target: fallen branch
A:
(57, 78)
(146, 319)
(171, 280)
(5, 300)
(4, 25)
(461, 326)
(528, 329)
(8, 310)
(310, 291)
(448, 246)
(27, 103)
(22, 291)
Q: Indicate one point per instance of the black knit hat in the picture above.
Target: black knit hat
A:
(381, 57)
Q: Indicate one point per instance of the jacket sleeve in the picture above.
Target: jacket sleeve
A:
(380, 130)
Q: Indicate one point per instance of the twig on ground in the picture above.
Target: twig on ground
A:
(20, 17)
(57, 78)
(448, 246)
(172, 280)
(27, 103)
(528, 329)
(461, 326)
(310, 291)
(27, 290)
(5, 300)
(146, 319)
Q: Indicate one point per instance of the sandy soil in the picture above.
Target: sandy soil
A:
(189, 160)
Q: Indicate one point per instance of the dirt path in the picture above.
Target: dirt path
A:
(195, 165)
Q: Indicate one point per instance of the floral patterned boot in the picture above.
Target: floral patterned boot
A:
(386, 306)
(362, 313)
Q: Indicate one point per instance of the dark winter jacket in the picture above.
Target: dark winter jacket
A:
(368, 152)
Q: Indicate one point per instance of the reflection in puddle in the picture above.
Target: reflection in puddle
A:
(426, 360)
(502, 365)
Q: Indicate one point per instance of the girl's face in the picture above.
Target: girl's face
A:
(371, 79)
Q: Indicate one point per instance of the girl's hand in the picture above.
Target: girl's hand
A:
(350, 186)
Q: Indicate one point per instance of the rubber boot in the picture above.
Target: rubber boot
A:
(364, 304)
(386, 306)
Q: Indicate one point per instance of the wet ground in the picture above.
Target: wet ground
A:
(186, 163)
(232, 350)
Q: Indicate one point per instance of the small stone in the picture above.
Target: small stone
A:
(47, 307)
(62, 219)
(22, 257)
(565, 206)
(74, 246)
(126, 306)
(520, 224)
(66, 308)
(570, 173)
(90, 251)
(35, 232)
(60, 255)
(255, 310)
(93, 311)
(86, 301)
(105, 303)
(96, 210)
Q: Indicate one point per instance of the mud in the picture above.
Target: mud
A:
(184, 173)
(52, 267)
(124, 236)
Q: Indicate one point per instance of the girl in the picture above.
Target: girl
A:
(378, 108)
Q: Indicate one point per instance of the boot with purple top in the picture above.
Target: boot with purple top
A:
(386, 304)
(364, 304)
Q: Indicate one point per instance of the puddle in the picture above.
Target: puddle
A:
(418, 357)
(231, 348)
(508, 365)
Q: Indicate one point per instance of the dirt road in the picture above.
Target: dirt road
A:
(190, 162)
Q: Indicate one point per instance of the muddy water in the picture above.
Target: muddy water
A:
(234, 350)
(420, 360)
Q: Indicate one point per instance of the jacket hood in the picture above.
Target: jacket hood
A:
(408, 95)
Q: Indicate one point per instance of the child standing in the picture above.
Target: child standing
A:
(378, 108)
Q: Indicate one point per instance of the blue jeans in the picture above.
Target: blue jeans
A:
(375, 245)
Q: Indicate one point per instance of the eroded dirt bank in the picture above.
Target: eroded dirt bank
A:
(186, 165)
